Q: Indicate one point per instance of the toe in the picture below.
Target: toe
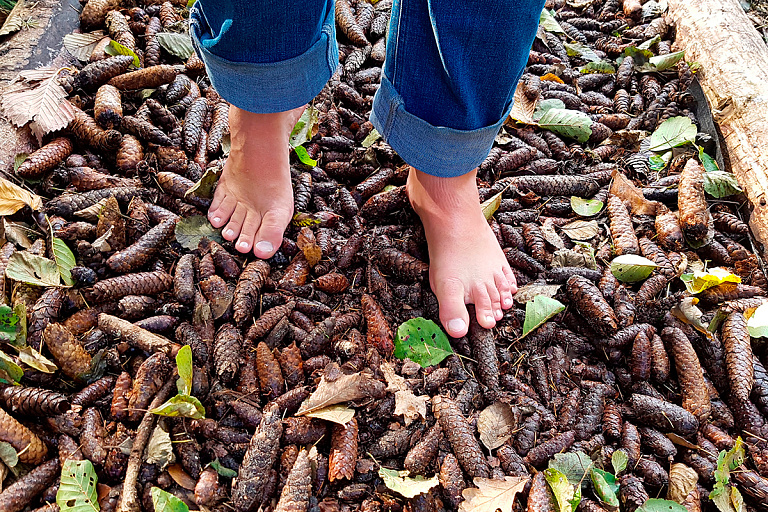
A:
(221, 210)
(453, 312)
(232, 231)
(511, 278)
(248, 232)
(505, 290)
(270, 233)
(483, 306)
(495, 295)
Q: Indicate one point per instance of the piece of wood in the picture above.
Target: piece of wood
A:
(734, 62)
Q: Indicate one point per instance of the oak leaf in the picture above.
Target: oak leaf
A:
(491, 495)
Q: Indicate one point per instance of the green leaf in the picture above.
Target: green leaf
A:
(179, 45)
(166, 502)
(33, 269)
(181, 406)
(538, 311)
(372, 137)
(735, 456)
(544, 106)
(303, 156)
(10, 367)
(305, 127)
(568, 123)
(8, 454)
(619, 461)
(115, 48)
(757, 324)
(567, 496)
(405, 485)
(64, 259)
(574, 465)
(582, 51)
(190, 3)
(548, 22)
(191, 230)
(641, 56)
(77, 489)
(184, 364)
(721, 184)
(646, 45)
(490, 205)
(586, 207)
(18, 160)
(660, 63)
(659, 162)
(674, 132)
(599, 66)
(223, 471)
(709, 163)
(422, 341)
(205, 185)
(631, 268)
(605, 487)
(9, 324)
(659, 505)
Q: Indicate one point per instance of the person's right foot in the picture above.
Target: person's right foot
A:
(253, 200)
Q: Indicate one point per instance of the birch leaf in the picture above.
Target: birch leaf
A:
(32, 269)
(82, 45)
(77, 490)
(338, 413)
(44, 103)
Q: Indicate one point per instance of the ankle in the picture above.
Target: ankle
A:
(442, 195)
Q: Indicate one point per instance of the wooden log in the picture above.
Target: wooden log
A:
(734, 62)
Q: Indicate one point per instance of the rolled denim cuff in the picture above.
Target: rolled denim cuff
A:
(266, 88)
(435, 150)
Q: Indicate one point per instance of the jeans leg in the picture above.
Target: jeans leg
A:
(449, 78)
(266, 56)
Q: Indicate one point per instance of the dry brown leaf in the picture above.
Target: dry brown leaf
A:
(17, 233)
(522, 109)
(551, 236)
(581, 229)
(495, 424)
(13, 198)
(344, 389)
(631, 195)
(682, 480)
(44, 103)
(528, 291)
(82, 45)
(410, 406)
(181, 477)
(308, 245)
(491, 495)
(15, 21)
(93, 212)
(338, 413)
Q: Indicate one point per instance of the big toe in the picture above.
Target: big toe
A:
(453, 312)
(270, 234)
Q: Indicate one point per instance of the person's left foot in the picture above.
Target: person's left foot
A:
(466, 264)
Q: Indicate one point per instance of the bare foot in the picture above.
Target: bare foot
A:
(254, 198)
(466, 264)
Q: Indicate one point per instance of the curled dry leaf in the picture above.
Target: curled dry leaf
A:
(495, 424)
(631, 195)
(410, 406)
(344, 389)
(13, 198)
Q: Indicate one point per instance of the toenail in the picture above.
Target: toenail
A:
(507, 302)
(489, 318)
(264, 246)
(498, 312)
(229, 232)
(243, 245)
(217, 219)
(457, 325)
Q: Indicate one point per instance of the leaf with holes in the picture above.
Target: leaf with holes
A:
(114, 48)
(631, 268)
(33, 269)
(191, 230)
(77, 489)
(586, 207)
(82, 45)
(538, 311)
(422, 341)
(658, 505)
(9, 324)
(568, 123)
(179, 45)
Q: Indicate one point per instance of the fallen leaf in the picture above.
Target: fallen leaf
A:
(579, 256)
(225, 471)
(712, 277)
(114, 48)
(82, 45)
(720, 184)
(682, 480)
(586, 207)
(631, 195)
(32, 269)
(159, 448)
(574, 465)
(581, 229)
(687, 312)
(8, 455)
(495, 424)
(631, 268)
(422, 341)
(308, 245)
(567, 495)
(338, 413)
(490, 205)
(13, 198)
(179, 45)
(15, 21)
(567, 123)
(757, 324)
(372, 137)
(205, 185)
(16, 232)
(305, 128)
(523, 108)
(657, 505)
(45, 103)
(344, 389)
(34, 359)
(529, 291)
(405, 485)
(77, 487)
(163, 501)
(184, 406)
(181, 477)
(551, 236)
(538, 311)
(492, 495)
(619, 461)
(93, 212)
(12, 370)
(191, 230)
(673, 132)
(678, 440)
(410, 406)
(64, 258)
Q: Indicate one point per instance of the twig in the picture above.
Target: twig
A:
(129, 501)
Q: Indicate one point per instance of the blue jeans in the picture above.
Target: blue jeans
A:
(448, 81)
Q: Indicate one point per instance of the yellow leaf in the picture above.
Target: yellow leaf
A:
(13, 198)
(522, 109)
(491, 495)
(490, 205)
(712, 277)
(338, 413)
(551, 77)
